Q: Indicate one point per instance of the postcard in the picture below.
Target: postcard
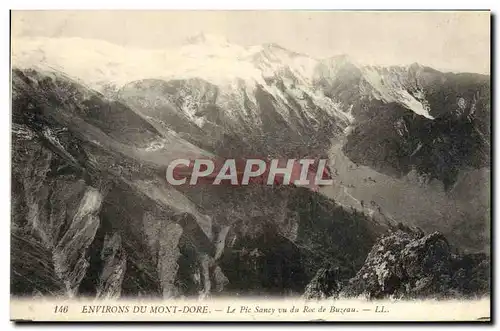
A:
(250, 165)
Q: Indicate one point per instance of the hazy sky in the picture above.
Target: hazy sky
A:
(454, 41)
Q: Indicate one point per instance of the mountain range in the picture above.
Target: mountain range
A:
(94, 126)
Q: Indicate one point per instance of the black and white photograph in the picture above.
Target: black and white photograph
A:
(318, 165)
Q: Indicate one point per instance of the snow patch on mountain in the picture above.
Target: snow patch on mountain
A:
(390, 89)
(231, 67)
(97, 62)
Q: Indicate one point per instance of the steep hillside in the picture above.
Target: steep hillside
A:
(89, 194)
(407, 145)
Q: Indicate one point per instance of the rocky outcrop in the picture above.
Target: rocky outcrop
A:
(414, 266)
(325, 284)
(409, 265)
(163, 240)
(54, 210)
(114, 267)
(70, 253)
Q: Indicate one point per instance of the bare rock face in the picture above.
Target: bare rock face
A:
(168, 254)
(381, 271)
(219, 279)
(67, 238)
(114, 267)
(70, 253)
(55, 216)
(163, 238)
(408, 265)
(325, 284)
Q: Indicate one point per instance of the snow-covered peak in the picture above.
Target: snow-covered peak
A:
(100, 64)
(332, 67)
(95, 62)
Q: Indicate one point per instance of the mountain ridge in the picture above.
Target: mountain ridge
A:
(404, 143)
